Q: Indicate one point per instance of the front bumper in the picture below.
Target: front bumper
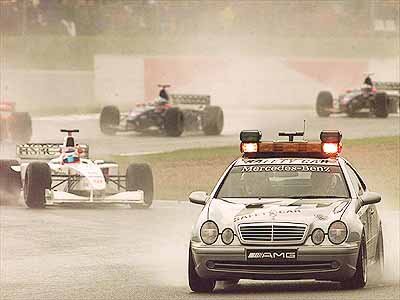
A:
(334, 263)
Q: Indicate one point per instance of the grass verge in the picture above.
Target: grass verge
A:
(178, 173)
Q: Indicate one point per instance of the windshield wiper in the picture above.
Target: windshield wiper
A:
(261, 204)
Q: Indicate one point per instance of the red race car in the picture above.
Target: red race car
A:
(14, 126)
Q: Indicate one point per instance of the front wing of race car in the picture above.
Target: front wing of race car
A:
(54, 197)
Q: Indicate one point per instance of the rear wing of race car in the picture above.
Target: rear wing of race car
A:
(187, 99)
(46, 151)
(387, 85)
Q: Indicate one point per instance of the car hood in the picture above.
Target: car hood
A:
(305, 211)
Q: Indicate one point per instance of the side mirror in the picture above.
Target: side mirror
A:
(370, 198)
(198, 197)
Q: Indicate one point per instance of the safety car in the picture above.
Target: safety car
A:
(70, 177)
(287, 209)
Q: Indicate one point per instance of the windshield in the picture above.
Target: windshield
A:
(284, 181)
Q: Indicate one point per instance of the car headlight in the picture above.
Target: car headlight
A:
(337, 232)
(209, 232)
(227, 236)
(318, 236)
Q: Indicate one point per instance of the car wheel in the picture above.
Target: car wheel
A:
(393, 106)
(379, 265)
(213, 120)
(173, 122)
(21, 127)
(350, 110)
(109, 120)
(324, 103)
(140, 177)
(381, 105)
(196, 283)
(359, 279)
(37, 180)
(10, 182)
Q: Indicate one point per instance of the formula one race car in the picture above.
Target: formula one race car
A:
(287, 210)
(377, 98)
(169, 115)
(70, 177)
(14, 126)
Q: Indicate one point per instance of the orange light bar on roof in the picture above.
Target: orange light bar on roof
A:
(301, 147)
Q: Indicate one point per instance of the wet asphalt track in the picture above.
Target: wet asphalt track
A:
(46, 129)
(120, 253)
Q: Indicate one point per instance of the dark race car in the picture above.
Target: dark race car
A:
(14, 126)
(374, 98)
(170, 114)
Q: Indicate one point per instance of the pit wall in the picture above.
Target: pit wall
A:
(261, 82)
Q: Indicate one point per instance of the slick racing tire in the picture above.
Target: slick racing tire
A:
(359, 279)
(196, 283)
(378, 267)
(213, 120)
(10, 182)
(140, 177)
(350, 109)
(324, 104)
(393, 106)
(37, 180)
(173, 122)
(21, 127)
(381, 105)
(109, 119)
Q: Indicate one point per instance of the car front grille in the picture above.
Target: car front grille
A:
(276, 268)
(272, 233)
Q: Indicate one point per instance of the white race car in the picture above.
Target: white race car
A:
(70, 177)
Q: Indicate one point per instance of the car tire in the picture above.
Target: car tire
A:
(196, 283)
(381, 105)
(37, 180)
(173, 122)
(350, 110)
(359, 279)
(10, 182)
(213, 120)
(393, 106)
(109, 119)
(140, 177)
(324, 103)
(379, 265)
(21, 127)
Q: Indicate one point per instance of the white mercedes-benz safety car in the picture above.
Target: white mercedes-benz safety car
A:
(287, 210)
(69, 177)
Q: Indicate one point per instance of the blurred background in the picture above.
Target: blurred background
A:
(92, 52)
